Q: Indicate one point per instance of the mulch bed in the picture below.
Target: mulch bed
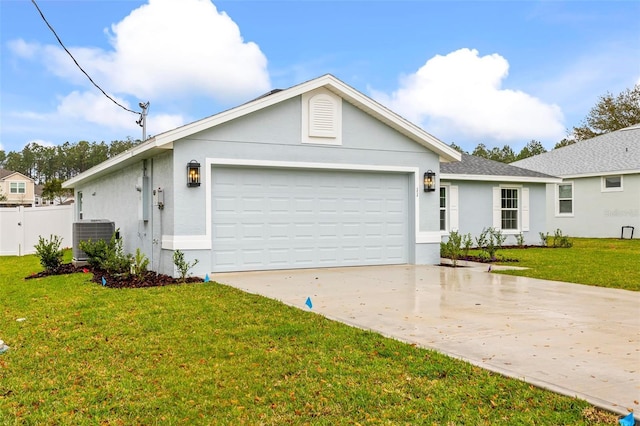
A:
(149, 279)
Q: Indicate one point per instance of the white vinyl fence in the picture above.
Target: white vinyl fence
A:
(20, 227)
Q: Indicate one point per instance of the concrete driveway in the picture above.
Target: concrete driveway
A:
(573, 339)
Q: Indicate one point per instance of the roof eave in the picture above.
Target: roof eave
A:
(499, 178)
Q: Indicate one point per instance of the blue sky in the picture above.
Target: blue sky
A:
(468, 72)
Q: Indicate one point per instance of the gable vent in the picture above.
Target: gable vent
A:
(322, 117)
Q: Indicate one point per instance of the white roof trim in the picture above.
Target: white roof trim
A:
(165, 140)
(597, 174)
(497, 178)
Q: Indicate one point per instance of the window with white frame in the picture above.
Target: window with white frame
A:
(509, 208)
(565, 199)
(612, 183)
(443, 208)
(18, 188)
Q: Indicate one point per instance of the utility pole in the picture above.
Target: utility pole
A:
(142, 121)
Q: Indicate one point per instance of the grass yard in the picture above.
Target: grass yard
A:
(210, 354)
(601, 262)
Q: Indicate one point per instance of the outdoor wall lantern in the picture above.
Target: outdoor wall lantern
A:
(429, 181)
(193, 173)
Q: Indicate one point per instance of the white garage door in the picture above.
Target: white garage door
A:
(267, 218)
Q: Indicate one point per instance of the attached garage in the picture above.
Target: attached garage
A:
(276, 218)
(316, 175)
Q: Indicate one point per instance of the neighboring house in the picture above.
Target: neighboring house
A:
(18, 189)
(476, 194)
(600, 191)
(317, 175)
(40, 201)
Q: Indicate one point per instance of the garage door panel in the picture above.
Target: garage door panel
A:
(275, 218)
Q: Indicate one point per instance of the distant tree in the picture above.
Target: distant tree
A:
(481, 151)
(53, 190)
(534, 147)
(457, 148)
(611, 113)
(3, 158)
(564, 142)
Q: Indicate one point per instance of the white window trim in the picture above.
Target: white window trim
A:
(557, 200)
(447, 195)
(523, 209)
(603, 187)
(18, 185)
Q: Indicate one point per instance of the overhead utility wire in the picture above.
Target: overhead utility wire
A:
(76, 62)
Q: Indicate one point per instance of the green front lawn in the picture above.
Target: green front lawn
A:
(601, 262)
(210, 354)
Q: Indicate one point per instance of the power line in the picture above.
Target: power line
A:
(76, 62)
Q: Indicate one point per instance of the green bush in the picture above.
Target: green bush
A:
(107, 256)
(139, 264)
(452, 248)
(490, 241)
(182, 265)
(49, 252)
(561, 241)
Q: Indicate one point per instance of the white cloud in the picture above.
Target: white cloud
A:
(164, 51)
(460, 94)
(168, 48)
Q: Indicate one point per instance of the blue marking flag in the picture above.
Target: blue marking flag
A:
(628, 420)
(104, 282)
(308, 303)
(206, 278)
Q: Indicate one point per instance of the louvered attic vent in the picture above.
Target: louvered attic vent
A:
(322, 117)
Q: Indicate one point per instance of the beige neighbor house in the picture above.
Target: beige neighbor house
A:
(18, 189)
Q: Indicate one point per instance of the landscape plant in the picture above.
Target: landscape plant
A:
(182, 265)
(561, 241)
(544, 239)
(139, 264)
(467, 243)
(452, 248)
(107, 256)
(49, 252)
(520, 239)
(489, 242)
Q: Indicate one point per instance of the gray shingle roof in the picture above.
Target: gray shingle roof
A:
(472, 165)
(612, 152)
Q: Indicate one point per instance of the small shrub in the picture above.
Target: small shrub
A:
(561, 241)
(490, 241)
(520, 240)
(467, 242)
(49, 252)
(453, 247)
(107, 256)
(544, 238)
(182, 265)
(139, 264)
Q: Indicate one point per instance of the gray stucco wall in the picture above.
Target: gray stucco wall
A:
(597, 214)
(475, 209)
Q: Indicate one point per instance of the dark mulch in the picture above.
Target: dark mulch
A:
(149, 279)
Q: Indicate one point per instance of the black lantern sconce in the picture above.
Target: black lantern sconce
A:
(429, 181)
(193, 173)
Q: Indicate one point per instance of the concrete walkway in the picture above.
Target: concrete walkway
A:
(573, 339)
